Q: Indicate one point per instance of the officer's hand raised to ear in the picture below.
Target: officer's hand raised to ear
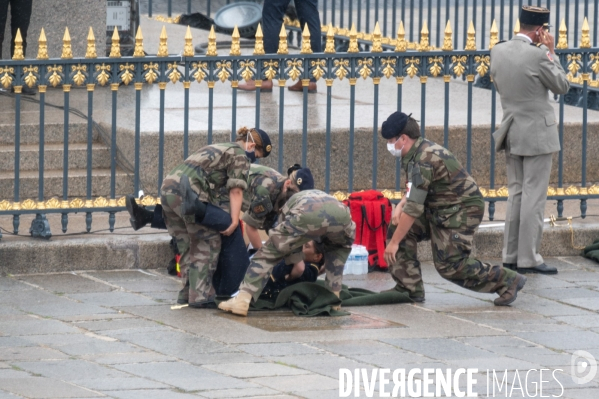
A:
(547, 39)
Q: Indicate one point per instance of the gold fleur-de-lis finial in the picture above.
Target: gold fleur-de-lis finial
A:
(562, 41)
(283, 49)
(447, 40)
(163, 46)
(353, 40)
(517, 26)
(259, 44)
(67, 53)
(211, 50)
(330, 46)
(139, 44)
(42, 52)
(377, 46)
(90, 52)
(471, 39)
(306, 48)
(494, 36)
(235, 42)
(188, 48)
(585, 39)
(424, 46)
(18, 53)
(401, 44)
(115, 48)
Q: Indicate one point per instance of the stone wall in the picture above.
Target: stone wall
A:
(54, 16)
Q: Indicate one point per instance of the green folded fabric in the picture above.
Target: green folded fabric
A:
(594, 255)
(314, 299)
(593, 247)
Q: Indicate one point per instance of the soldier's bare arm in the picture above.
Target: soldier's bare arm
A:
(253, 236)
(236, 198)
(398, 211)
(405, 224)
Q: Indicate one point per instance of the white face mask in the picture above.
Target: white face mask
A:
(394, 151)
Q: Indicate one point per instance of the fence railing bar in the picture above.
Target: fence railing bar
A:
(161, 136)
(90, 139)
(375, 129)
(65, 165)
(492, 149)
(305, 124)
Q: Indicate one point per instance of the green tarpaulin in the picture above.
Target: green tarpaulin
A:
(592, 251)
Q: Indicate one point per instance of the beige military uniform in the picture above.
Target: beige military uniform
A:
(523, 75)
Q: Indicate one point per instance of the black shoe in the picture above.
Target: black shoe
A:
(541, 269)
(190, 203)
(203, 305)
(139, 215)
(511, 266)
(512, 292)
(26, 90)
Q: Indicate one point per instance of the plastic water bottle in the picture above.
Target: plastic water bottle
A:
(361, 260)
(349, 263)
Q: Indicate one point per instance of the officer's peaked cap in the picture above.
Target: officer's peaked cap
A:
(395, 123)
(536, 16)
(304, 179)
(266, 144)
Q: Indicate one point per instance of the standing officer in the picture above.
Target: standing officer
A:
(443, 204)
(524, 69)
(308, 215)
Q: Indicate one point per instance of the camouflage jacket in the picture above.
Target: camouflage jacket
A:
(263, 196)
(313, 210)
(437, 182)
(215, 169)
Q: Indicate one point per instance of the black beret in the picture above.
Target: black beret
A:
(266, 145)
(304, 179)
(394, 125)
(536, 16)
(293, 168)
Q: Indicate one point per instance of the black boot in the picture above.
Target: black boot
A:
(140, 216)
(190, 203)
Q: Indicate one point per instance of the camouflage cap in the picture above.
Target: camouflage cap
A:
(394, 125)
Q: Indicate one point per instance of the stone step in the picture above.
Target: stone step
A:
(53, 157)
(53, 186)
(53, 133)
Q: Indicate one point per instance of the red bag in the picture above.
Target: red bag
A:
(371, 212)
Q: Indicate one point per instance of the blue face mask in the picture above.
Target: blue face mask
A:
(251, 156)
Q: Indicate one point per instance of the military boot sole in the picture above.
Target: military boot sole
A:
(521, 283)
(418, 299)
(235, 311)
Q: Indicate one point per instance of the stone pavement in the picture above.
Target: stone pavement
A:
(113, 334)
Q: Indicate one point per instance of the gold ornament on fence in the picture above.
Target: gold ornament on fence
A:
(448, 40)
(353, 40)
(18, 53)
(330, 46)
(139, 44)
(115, 48)
(188, 50)
(283, 48)
(211, 50)
(67, 53)
(377, 46)
(471, 40)
(306, 47)
(494, 35)
(562, 41)
(424, 44)
(235, 42)
(259, 43)
(585, 39)
(163, 46)
(401, 44)
(90, 51)
(517, 27)
(42, 52)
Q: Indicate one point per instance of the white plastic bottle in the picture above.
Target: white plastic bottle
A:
(361, 260)
(349, 263)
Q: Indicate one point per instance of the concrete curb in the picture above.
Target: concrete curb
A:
(152, 251)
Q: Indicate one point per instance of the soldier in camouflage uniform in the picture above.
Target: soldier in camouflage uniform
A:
(443, 204)
(308, 215)
(208, 173)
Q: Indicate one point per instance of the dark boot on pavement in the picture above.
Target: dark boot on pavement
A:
(139, 215)
(512, 292)
(511, 266)
(299, 87)
(416, 296)
(541, 269)
(190, 204)
(250, 85)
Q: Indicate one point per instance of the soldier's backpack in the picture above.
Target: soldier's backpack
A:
(371, 212)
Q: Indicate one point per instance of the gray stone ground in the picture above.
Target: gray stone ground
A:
(113, 334)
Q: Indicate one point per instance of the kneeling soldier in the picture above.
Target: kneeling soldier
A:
(443, 204)
(308, 215)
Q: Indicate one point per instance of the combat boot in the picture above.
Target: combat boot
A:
(416, 296)
(183, 298)
(140, 216)
(238, 305)
(512, 292)
(190, 203)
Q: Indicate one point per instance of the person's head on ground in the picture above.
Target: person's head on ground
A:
(256, 142)
(314, 252)
(401, 132)
(534, 22)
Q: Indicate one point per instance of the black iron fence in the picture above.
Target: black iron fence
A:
(388, 63)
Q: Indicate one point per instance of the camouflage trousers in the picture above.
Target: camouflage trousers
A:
(198, 245)
(451, 235)
(286, 241)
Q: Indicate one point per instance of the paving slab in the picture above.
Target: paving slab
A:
(249, 370)
(46, 388)
(66, 283)
(241, 393)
